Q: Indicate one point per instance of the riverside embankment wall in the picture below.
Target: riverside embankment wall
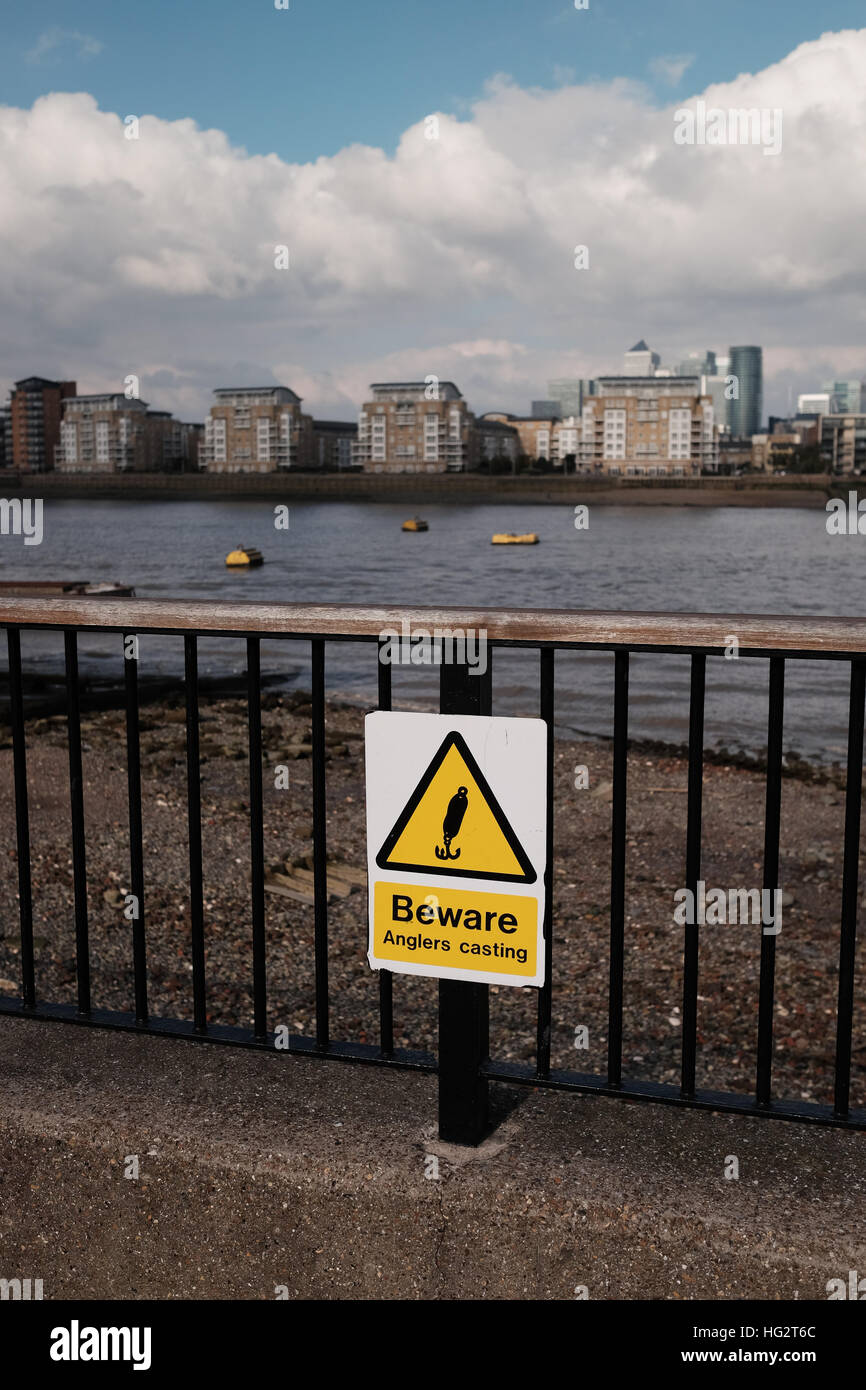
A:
(414, 489)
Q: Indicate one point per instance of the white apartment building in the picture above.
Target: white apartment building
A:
(256, 429)
(415, 427)
(110, 433)
(566, 439)
(647, 426)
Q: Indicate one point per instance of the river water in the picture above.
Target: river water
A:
(668, 559)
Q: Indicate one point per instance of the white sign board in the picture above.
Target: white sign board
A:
(456, 845)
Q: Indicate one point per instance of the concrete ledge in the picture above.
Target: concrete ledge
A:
(262, 1171)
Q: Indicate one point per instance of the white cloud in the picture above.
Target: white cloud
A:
(671, 68)
(55, 43)
(456, 256)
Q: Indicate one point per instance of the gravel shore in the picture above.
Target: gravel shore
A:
(807, 947)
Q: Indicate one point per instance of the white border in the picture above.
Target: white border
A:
(512, 754)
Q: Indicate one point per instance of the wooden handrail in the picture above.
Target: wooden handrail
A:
(712, 631)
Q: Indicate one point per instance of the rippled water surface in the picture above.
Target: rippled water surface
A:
(669, 559)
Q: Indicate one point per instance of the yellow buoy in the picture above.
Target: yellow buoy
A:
(509, 538)
(244, 556)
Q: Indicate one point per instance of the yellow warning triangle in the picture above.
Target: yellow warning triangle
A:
(453, 825)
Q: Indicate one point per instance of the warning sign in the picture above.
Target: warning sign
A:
(452, 824)
(456, 826)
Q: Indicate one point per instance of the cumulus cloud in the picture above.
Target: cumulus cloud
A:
(56, 43)
(455, 255)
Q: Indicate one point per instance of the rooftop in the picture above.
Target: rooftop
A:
(447, 389)
(133, 403)
(494, 416)
(670, 383)
(256, 391)
(38, 383)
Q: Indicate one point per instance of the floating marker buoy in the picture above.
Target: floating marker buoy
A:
(244, 557)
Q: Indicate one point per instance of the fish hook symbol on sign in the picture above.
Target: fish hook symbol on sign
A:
(451, 824)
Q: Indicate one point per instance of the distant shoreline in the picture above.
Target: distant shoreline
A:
(804, 490)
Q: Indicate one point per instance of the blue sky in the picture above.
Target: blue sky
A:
(329, 73)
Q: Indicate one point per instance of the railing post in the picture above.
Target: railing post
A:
(463, 1007)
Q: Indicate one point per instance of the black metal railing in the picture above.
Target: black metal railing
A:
(464, 1065)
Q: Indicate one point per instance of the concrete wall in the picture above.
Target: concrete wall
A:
(265, 1171)
(412, 489)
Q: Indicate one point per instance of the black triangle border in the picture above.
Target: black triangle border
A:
(456, 740)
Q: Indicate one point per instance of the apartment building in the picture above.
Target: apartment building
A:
(414, 427)
(192, 439)
(35, 412)
(175, 444)
(779, 450)
(334, 445)
(735, 455)
(256, 429)
(649, 426)
(566, 442)
(498, 443)
(5, 437)
(535, 432)
(843, 443)
(109, 433)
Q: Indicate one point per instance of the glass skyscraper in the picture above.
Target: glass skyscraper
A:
(698, 365)
(848, 396)
(747, 411)
(570, 392)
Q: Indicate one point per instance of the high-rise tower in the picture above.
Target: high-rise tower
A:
(745, 413)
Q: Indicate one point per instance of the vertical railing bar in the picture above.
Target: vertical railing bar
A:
(193, 795)
(320, 848)
(76, 796)
(136, 851)
(464, 1007)
(257, 840)
(693, 871)
(384, 677)
(619, 814)
(772, 821)
(22, 818)
(545, 994)
(850, 879)
(386, 977)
